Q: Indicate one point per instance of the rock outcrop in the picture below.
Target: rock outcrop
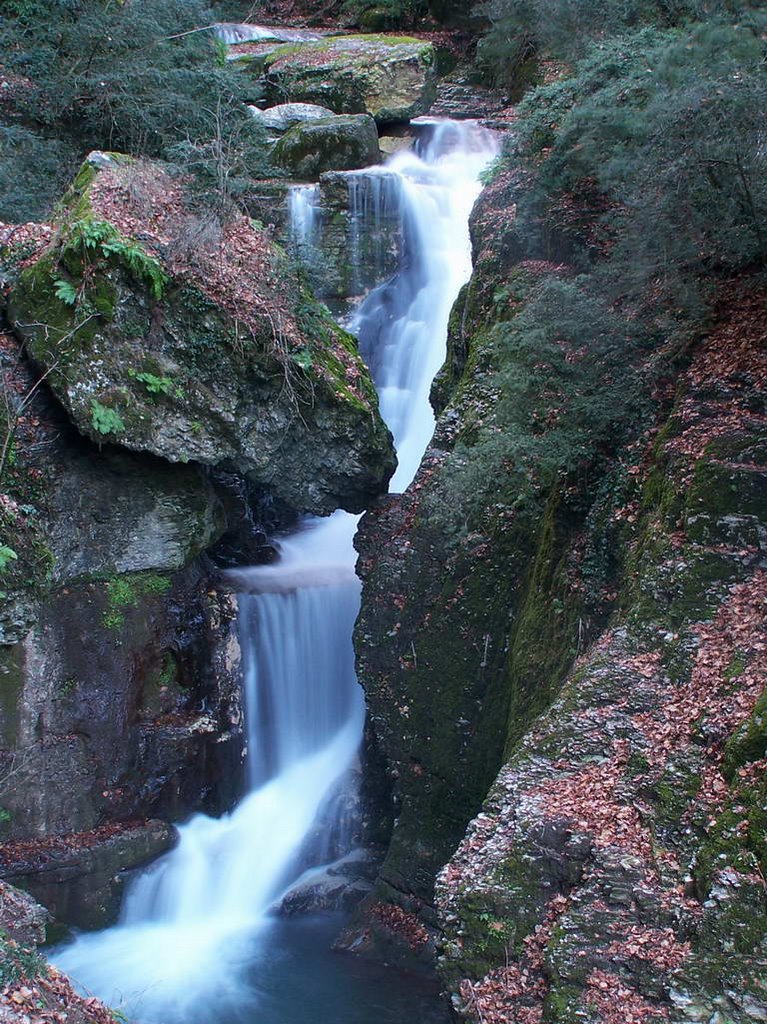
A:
(208, 354)
(283, 116)
(616, 872)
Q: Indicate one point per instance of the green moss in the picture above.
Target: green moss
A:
(126, 591)
(546, 638)
(563, 1004)
(749, 743)
(738, 839)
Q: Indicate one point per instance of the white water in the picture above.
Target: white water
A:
(233, 33)
(193, 924)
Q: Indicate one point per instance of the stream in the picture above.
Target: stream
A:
(196, 940)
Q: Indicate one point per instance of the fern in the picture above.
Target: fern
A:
(157, 385)
(100, 236)
(105, 420)
(66, 292)
(7, 555)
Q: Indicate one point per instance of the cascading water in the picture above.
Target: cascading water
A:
(194, 933)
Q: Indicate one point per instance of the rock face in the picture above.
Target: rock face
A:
(79, 878)
(125, 639)
(618, 862)
(114, 513)
(390, 79)
(208, 356)
(340, 143)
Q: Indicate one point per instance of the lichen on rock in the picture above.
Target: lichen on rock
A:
(341, 143)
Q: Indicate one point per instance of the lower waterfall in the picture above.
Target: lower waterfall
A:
(196, 940)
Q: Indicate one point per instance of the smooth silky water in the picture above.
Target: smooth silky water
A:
(196, 941)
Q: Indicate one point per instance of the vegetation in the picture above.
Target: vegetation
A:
(649, 160)
(124, 592)
(384, 15)
(523, 30)
(142, 79)
(642, 173)
(568, 395)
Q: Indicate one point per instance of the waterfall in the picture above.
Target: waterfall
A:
(194, 924)
(305, 218)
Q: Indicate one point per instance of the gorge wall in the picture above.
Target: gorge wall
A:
(585, 539)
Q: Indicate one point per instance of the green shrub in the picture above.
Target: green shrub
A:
(568, 394)
(34, 171)
(385, 15)
(105, 420)
(565, 29)
(140, 78)
(655, 142)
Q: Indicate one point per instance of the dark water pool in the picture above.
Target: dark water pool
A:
(300, 980)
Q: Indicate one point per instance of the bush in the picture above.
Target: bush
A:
(565, 29)
(385, 15)
(569, 394)
(659, 136)
(34, 171)
(135, 77)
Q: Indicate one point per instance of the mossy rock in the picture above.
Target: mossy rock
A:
(148, 360)
(342, 143)
(390, 78)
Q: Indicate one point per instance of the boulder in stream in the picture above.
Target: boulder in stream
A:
(283, 116)
(342, 143)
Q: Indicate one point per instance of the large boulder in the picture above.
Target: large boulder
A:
(393, 79)
(195, 341)
(342, 143)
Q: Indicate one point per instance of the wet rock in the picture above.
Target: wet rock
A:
(339, 886)
(328, 144)
(391, 79)
(125, 698)
(460, 97)
(78, 877)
